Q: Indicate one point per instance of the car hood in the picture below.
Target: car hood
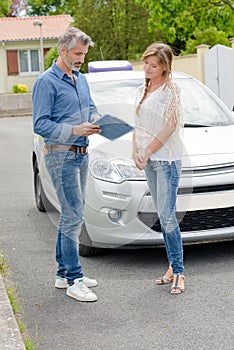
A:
(209, 146)
(204, 146)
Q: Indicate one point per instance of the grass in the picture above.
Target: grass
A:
(3, 266)
(12, 295)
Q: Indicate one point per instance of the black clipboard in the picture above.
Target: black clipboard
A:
(113, 127)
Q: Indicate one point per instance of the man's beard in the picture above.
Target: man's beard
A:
(71, 66)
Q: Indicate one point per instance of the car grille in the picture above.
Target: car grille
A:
(202, 189)
(206, 189)
(194, 220)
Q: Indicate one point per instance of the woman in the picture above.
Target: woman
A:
(157, 148)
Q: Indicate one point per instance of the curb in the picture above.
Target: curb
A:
(15, 114)
(10, 336)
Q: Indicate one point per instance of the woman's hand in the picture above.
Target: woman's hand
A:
(139, 161)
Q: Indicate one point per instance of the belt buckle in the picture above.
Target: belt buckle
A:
(82, 149)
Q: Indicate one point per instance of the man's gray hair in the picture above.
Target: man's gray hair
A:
(70, 37)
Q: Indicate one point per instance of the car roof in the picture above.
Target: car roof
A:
(125, 75)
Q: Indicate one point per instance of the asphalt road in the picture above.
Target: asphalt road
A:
(131, 312)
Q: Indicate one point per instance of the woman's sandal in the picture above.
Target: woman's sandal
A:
(178, 284)
(165, 279)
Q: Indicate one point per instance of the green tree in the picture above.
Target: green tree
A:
(51, 7)
(118, 27)
(210, 36)
(5, 7)
(179, 19)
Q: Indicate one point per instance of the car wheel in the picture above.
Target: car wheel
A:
(40, 197)
(86, 248)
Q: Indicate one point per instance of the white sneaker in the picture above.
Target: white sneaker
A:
(61, 282)
(80, 292)
(89, 282)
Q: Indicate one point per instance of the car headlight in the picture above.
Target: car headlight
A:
(115, 171)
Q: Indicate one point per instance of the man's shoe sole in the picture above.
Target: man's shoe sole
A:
(80, 299)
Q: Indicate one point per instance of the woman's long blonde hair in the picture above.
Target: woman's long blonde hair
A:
(164, 55)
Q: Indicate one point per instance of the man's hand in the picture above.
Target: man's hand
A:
(86, 129)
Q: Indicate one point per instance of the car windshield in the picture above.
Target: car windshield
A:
(200, 107)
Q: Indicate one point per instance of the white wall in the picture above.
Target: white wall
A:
(219, 73)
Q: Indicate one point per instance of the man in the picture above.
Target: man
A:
(63, 111)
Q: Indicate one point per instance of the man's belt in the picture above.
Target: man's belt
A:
(68, 148)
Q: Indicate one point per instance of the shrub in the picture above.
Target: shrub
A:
(20, 89)
(50, 56)
(210, 36)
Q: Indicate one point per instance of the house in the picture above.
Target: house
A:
(22, 40)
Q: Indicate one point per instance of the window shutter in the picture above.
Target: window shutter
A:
(46, 49)
(12, 62)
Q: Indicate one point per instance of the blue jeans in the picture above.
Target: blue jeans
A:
(163, 179)
(68, 172)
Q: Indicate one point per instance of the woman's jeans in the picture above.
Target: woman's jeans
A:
(68, 171)
(163, 179)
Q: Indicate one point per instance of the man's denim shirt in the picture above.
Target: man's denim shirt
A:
(58, 104)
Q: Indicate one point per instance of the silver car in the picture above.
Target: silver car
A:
(119, 210)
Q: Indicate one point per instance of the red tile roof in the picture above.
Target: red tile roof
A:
(23, 29)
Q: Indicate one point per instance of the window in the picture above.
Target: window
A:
(29, 61)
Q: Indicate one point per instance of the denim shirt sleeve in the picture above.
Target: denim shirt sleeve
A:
(58, 104)
(44, 96)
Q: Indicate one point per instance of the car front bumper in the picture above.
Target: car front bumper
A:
(138, 225)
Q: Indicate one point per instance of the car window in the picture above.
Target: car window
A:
(115, 91)
(200, 107)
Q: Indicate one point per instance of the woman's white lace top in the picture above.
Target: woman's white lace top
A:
(154, 112)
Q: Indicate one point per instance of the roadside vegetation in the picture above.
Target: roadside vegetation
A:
(13, 298)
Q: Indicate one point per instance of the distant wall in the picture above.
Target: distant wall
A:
(15, 104)
(186, 64)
